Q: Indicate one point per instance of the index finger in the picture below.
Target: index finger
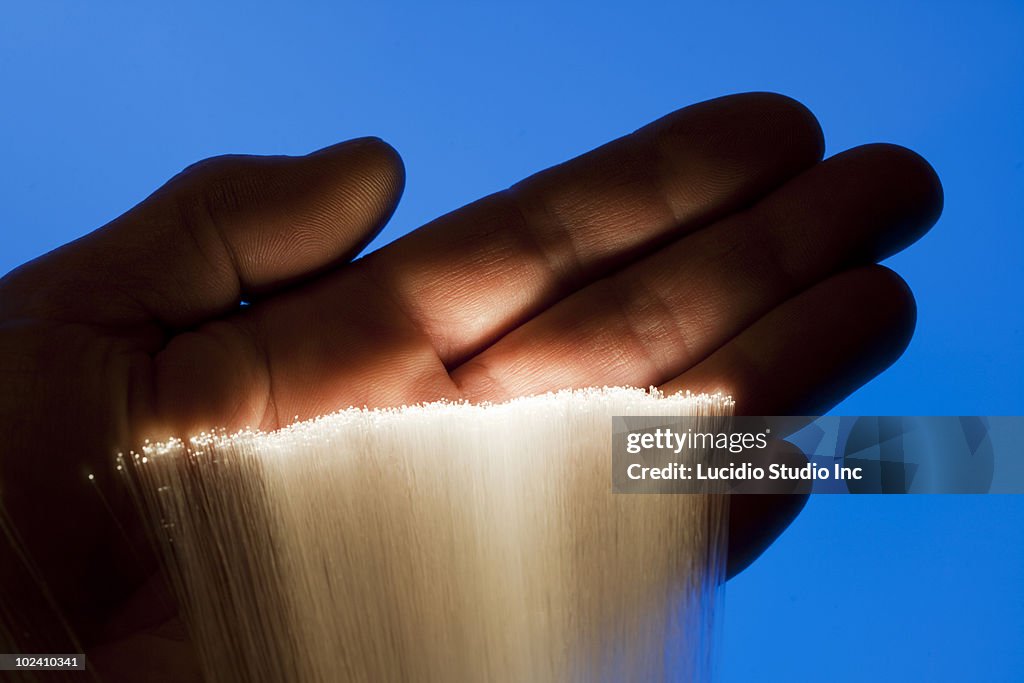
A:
(470, 276)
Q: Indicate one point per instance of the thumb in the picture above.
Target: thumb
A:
(224, 229)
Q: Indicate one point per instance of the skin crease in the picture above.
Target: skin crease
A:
(712, 250)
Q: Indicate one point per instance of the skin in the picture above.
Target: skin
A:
(710, 250)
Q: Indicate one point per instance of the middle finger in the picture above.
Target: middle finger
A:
(659, 316)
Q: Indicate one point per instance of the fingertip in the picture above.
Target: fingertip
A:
(913, 189)
(366, 141)
(783, 118)
(895, 305)
(877, 319)
(372, 152)
(392, 161)
(362, 180)
(920, 176)
(790, 114)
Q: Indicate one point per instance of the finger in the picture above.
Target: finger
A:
(472, 275)
(802, 359)
(224, 229)
(756, 520)
(455, 283)
(654, 319)
(814, 350)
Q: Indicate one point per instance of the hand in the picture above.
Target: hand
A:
(710, 250)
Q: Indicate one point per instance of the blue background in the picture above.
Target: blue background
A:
(101, 104)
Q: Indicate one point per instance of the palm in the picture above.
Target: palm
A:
(711, 250)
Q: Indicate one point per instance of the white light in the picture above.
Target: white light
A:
(466, 542)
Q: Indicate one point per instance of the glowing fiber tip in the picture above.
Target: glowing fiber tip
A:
(566, 399)
(458, 541)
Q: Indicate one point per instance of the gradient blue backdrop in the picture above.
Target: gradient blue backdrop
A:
(101, 102)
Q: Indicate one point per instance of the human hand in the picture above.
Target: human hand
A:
(711, 250)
